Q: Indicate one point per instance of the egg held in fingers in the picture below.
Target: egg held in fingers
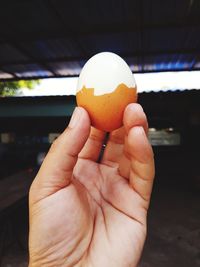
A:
(106, 86)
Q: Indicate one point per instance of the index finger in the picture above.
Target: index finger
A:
(142, 170)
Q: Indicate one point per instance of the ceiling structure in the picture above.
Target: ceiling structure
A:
(54, 38)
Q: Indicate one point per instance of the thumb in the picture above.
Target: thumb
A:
(56, 170)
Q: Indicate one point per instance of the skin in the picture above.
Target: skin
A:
(84, 213)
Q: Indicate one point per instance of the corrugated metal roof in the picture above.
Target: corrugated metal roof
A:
(54, 38)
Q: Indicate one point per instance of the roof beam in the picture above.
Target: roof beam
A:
(124, 55)
(33, 59)
(109, 29)
(53, 9)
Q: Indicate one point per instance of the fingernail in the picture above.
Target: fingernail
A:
(136, 107)
(139, 130)
(75, 117)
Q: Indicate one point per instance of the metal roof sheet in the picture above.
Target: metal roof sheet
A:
(53, 38)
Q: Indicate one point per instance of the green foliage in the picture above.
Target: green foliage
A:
(10, 88)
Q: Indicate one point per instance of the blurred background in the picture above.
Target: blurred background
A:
(43, 46)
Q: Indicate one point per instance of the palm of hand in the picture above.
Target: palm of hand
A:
(96, 220)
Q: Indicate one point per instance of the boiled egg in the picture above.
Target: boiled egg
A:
(105, 87)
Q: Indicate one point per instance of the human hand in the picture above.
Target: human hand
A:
(84, 213)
